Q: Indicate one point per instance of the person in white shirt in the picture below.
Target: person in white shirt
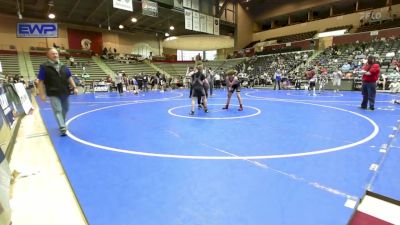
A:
(119, 81)
(278, 78)
(217, 79)
(336, 80)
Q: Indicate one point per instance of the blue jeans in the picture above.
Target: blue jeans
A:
(60, 107)
(369, 93)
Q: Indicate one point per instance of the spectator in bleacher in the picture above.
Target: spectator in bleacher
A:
(346, 67)
(305, 58)
(198, 57)
(55, 46)
(109, 79)
(71, 61)
(55, 80)
(370, 74)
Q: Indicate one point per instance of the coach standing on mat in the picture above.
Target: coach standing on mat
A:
(55, 81)
(370, 73)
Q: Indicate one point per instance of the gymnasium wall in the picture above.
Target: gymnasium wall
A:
(123, 42)
(244, 28)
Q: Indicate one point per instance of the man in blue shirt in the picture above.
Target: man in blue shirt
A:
(55, 81)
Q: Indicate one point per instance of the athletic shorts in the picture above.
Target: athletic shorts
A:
(198, 92)
(312, 84)
(235, 87)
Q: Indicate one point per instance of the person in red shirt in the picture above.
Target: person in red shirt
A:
(370, 73)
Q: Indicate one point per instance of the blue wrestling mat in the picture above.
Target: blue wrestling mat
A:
(288, 158)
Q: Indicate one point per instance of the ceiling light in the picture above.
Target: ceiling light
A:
(172, 28)
(134, 20)
(52, 16)
(121, 26)
(166, 34)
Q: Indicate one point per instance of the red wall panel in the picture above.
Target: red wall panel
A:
(75, 38)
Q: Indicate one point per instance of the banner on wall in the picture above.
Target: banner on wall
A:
(187, 3)
(178, 4)
(23, 96)
(123, 4)
(195, 5)
(210, 24)
(149, 8)
(216, 26)
(85, 40)
(203, 23)
(188, 19)
(37, 30)
(196, 21)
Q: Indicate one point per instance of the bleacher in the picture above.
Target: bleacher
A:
(180, 68)
(269, 63)
(91, 67)
(345, 27)
(353, 53)
(9, 62)
(129, 68)
(251, 44)
(379, 25)
(294, 37)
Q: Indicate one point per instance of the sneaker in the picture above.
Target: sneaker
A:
(225, 107)
(191, 113)
(372, 108)
(200, 106)
(240, 109)
(363, 107)
(63, 131)
(206, 110)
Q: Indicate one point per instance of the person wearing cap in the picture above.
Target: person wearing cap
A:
(55, 81)
(197, 88)
(370, 74)
(233, 84)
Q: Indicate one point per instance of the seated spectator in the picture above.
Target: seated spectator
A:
(71, 61)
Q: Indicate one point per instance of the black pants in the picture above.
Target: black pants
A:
(277, 83)
(120, 89)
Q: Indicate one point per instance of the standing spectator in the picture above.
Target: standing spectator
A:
(370, 73)
(210, 78)
(119, 81)
(278, 77)
(55, 80)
